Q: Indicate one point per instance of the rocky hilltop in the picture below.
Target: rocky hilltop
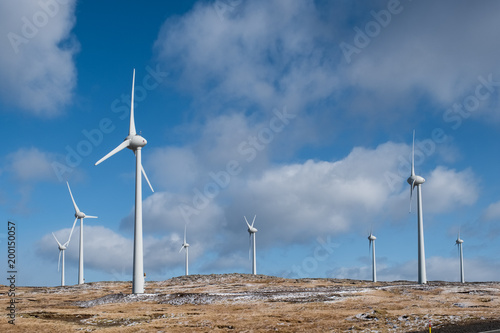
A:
(248, 303)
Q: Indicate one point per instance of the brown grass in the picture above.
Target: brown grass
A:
(246, 303)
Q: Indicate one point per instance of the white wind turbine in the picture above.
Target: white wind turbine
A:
(62, 248)
(252, 231)
(79, 215)
(459, 243)
(371, 245)
(185, 245)
(135, 143)
(416, 181)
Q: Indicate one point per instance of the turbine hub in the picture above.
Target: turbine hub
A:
(459, 241)
(252, 230)
(62, 248)
(136, 141)
(372, 238)
(416, 180)
(80, 215)
(185, 245)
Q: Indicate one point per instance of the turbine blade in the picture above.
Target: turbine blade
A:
(181, 248)
(120, 147)
(247, 222)
(411, 192)
(413, 156)
(185, 233)
(72, 199)
(145, 176)
(90, 217)
(132, 122)
(59, 260)
(71, 233)
(253, 220)
(56, 239)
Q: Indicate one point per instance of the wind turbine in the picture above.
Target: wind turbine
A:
(135, 143)
(79, 215)
(459, 243)
(416, 181)
(372, 239)
(252, 231)
(62, 248)
(185, 245)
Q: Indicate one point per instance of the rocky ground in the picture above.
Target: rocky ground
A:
(247, 303)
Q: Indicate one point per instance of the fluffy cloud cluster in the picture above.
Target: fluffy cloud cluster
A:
(299, 201)
(36, 54)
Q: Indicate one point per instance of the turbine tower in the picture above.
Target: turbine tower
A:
(185, 245)
(372, 239)
(135, 143)
(62, 248)
(252, 231)
(416, 181)
(459, 243)
(79, 215)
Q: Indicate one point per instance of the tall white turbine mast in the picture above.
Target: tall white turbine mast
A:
(252, 231)
(459, 243)
(371, 245)
(62, 248)
(416, 181)
(79, 215)
(185, 245)
(135, 143)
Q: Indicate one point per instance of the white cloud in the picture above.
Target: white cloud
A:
(173, 168)
(109, 252)
(31, 164)
(492, 212)
(36, 54)
(447, 189)
(430, 57)
(272, 53)
(263, 56)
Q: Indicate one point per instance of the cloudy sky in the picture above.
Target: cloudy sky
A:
(299, 112)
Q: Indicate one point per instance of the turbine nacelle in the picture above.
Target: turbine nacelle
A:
(135, 141)
(252, 230)
(415, 180)
(459, 241)
(80, 215)
(371, 238)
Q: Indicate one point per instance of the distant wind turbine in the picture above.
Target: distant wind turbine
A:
(372, 239)
(416, 181)
(79, 215)
(135, 143)
(252, 231)
(185, 245)
(62, 248)
(459, 242)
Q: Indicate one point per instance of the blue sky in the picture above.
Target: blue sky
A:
(299, 112)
